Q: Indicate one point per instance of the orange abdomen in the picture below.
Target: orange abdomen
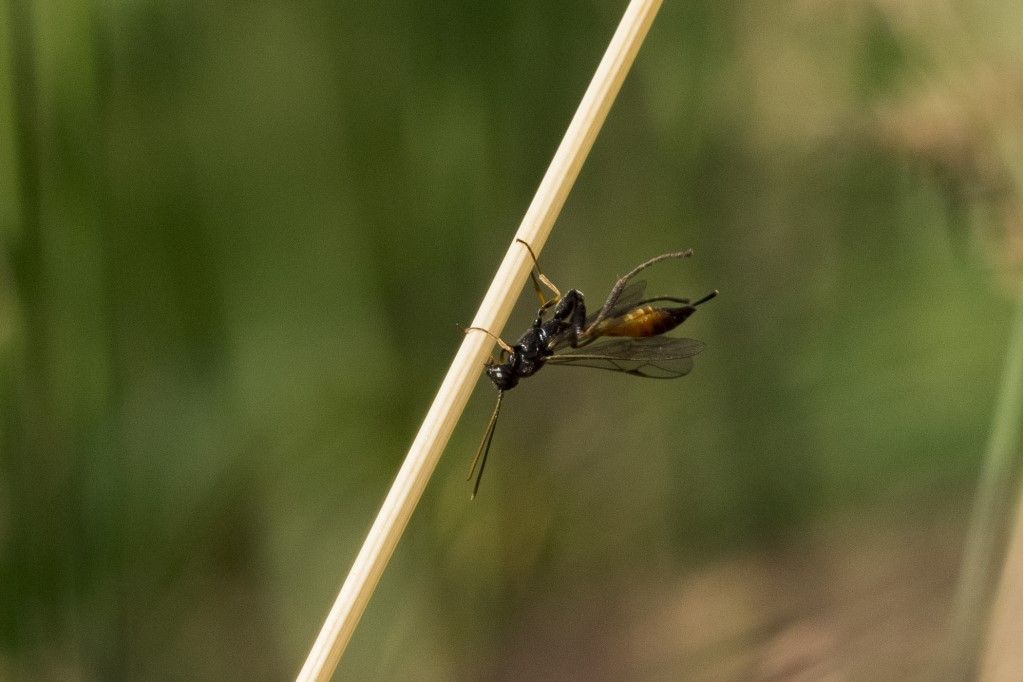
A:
(644, 321)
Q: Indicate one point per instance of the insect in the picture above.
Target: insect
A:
(625, 335)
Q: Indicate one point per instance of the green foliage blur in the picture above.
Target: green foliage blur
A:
(240, 241)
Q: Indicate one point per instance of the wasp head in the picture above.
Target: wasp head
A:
(503, 375)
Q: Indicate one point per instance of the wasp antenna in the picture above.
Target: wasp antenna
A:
(485, 447)
(706, 298)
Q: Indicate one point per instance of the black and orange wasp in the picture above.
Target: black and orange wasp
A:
(625, 335)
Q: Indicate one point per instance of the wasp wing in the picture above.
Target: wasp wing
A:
(656, 357)
(628, 298)
(616, 298)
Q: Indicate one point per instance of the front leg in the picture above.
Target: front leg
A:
(571, 311)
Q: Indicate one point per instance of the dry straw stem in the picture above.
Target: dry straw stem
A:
(494, 311)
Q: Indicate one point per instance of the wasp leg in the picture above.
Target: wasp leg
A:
(538, 278)
(545, 303)
(501, 342)
(572, 311)
(621, 283)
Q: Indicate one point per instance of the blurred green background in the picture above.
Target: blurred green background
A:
(239, 241)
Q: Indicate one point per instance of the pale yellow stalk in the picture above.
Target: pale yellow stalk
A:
(465, 369)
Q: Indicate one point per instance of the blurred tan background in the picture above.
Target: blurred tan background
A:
(239, 241)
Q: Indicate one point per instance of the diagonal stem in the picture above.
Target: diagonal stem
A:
(497, 305)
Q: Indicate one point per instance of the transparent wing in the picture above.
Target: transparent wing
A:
(628, 298)
(616, 300)
(655, 357)
(592, 330)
